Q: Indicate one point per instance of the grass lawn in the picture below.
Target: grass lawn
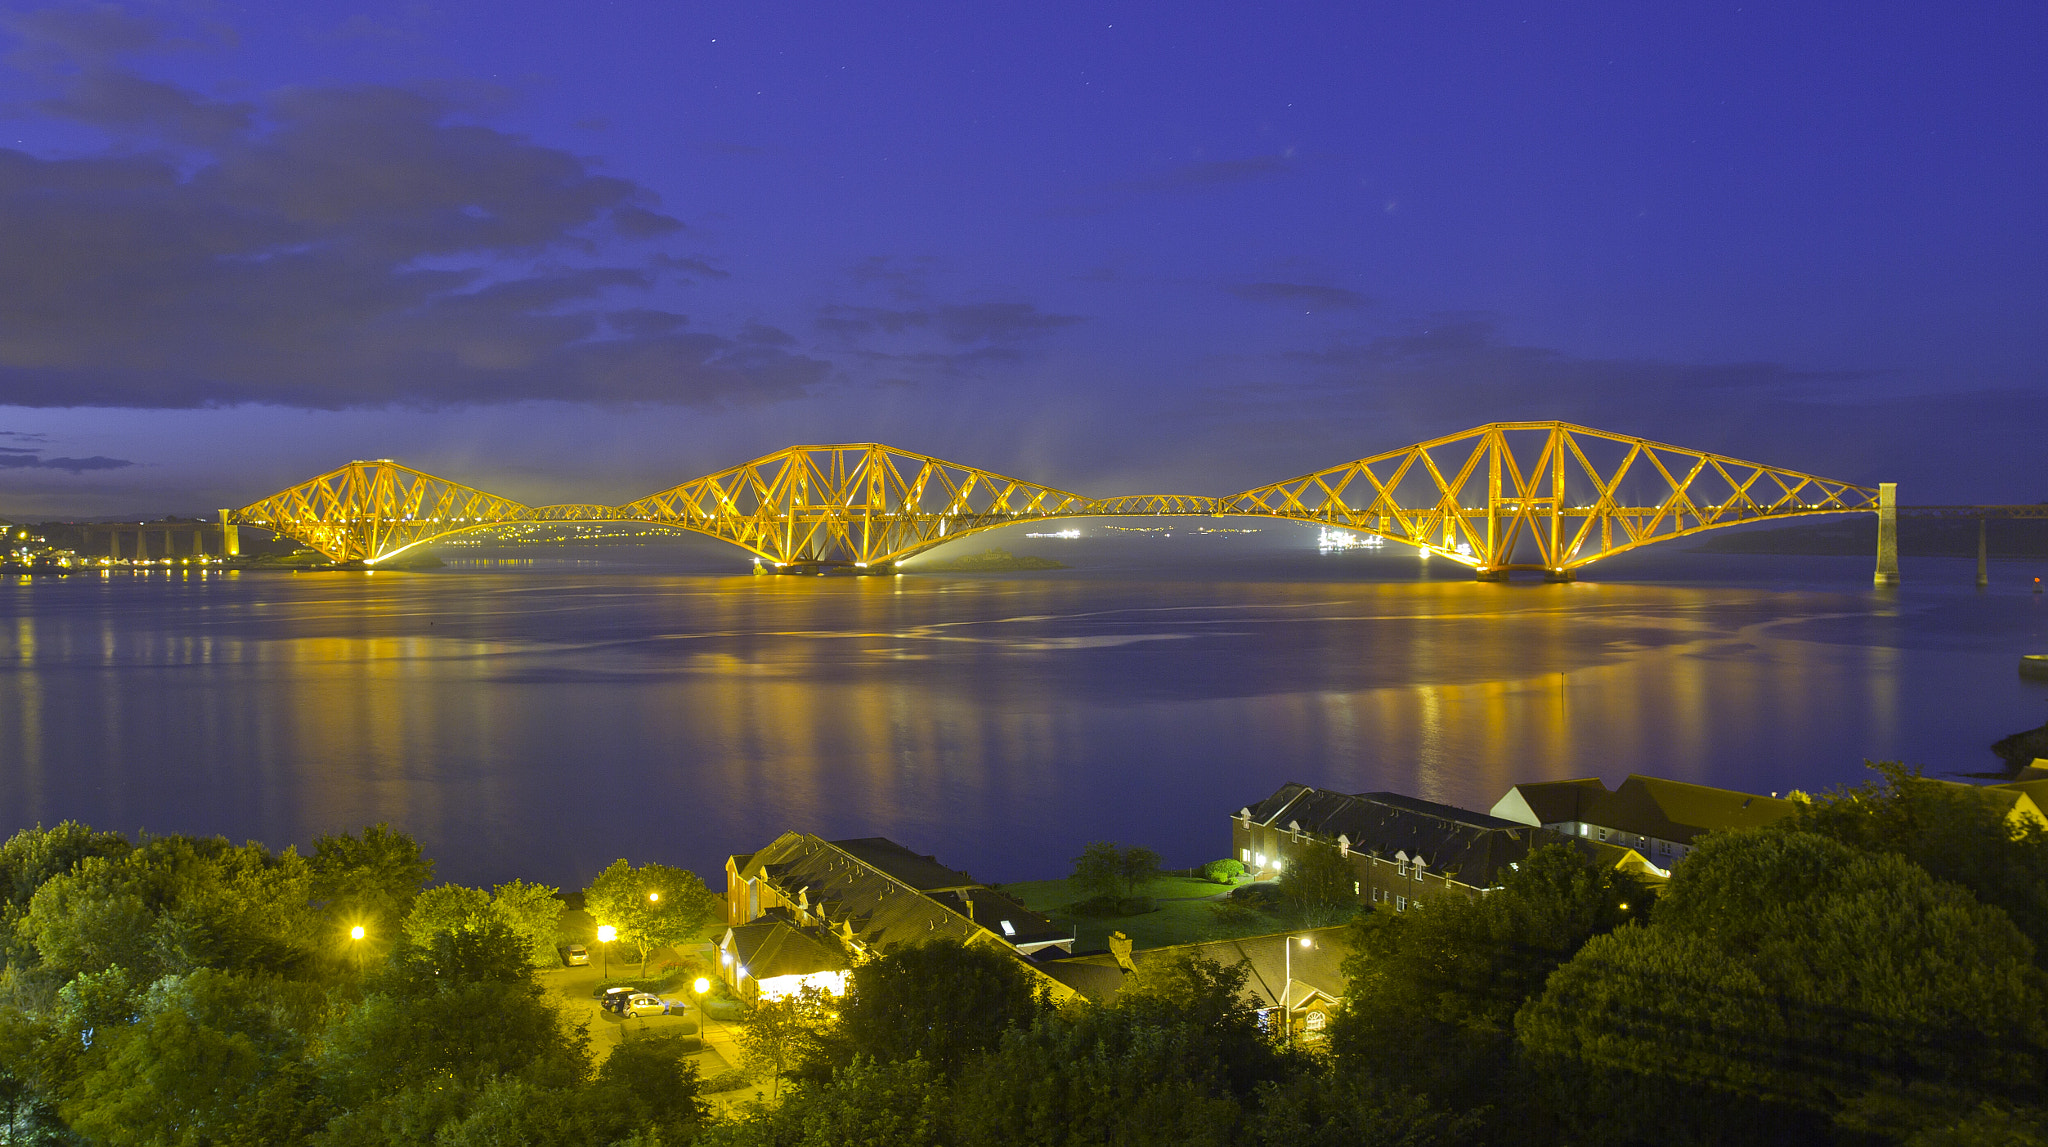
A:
(1185, 914)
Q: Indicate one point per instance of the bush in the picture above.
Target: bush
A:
(1263, 897)
(1221, 871)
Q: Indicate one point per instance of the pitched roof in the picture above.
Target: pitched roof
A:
(1471, 846)
(921, 872)
(1645, 806)
(1548, 802)
(1316, 968)
(993, 910)
(771, 948)
(1676, 810)
(875, 908)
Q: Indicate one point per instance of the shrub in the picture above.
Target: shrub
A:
(1221, 871)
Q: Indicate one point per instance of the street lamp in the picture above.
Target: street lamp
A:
(700, 986)
(1287, 986)
(355, 944)
(605, 935)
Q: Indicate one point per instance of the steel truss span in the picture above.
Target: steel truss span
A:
(1545, 496)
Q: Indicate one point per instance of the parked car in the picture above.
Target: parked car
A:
(614, 999)
(575, 955)
(643, 1004)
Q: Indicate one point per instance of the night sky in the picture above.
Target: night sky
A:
(580, 252)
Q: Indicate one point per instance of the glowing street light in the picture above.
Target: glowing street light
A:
(356, 933)
(1287, 985)
(605, 935)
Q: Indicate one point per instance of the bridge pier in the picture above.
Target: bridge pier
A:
(1887, 534)
(230, 535)
(1490, 575)
(1983, 553)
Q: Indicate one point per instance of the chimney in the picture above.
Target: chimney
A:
(1120, 948)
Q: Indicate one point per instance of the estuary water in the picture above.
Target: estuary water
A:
(542, 718)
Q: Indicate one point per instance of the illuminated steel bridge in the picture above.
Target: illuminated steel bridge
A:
(1546, 496)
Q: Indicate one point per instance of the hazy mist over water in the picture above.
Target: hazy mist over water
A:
(541, 720)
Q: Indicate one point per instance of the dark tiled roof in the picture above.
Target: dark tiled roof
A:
(1551, 802)
(1266, 960)
(1647, 806)
(1471, 847)
(770, 948)
(923, 873)
(991, 909)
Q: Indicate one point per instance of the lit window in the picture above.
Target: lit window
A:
(1314, 1022)
(1245, 854)
(1260, 859)
(1009, 929)
(1400, 904)
(1354, 888)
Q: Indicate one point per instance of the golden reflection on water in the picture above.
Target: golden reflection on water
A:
(549, 724)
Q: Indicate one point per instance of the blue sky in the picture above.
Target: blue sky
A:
(581, 252)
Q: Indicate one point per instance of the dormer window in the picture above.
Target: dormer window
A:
(1009, 929)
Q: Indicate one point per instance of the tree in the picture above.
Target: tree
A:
(1318, 886)
(369, 879)
(1451, 978)
(1174, 1061)
(534, 911)
(863, 1104)
(34, 855)
(940, 1000)
(779, 1034)
(1096, 869)
(647, 1084)
(1789, 975)
(1104, 869)
(652, 906)
(1138, 867)
(1955, 832)
(448, 908)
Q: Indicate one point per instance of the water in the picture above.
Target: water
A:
(541, 720)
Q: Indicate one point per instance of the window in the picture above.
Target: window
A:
(1354, 888)
(1402, 870)
(1314, 1022)
(1603, 834)
(1400, 904)
(1261, 859)
(1582, 830)
(1245, 855)
(1009, 929)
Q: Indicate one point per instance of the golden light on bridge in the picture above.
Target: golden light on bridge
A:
(1540, 496)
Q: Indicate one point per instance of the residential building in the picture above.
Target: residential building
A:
(1658, 818)
(1404, 851)
(812, 907)
(1296, 974)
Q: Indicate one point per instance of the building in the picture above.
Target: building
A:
(1404, 851)
(1658, 818)
(804, 910)
(1299, 974)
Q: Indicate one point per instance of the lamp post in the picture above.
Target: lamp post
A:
(355, 944)
(653, 901)
(1286, 988)
(700, 986)
(605, 935)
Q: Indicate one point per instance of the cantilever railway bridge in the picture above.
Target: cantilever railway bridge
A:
(1542, 496)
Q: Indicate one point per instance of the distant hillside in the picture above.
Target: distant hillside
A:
(1857, 534)
(987, 561)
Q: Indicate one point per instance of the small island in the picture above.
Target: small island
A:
(990, 561)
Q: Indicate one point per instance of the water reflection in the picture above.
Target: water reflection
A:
(541, 725)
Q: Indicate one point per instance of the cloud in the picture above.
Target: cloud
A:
(331, 248)
(11, 459)
(1304, 294)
